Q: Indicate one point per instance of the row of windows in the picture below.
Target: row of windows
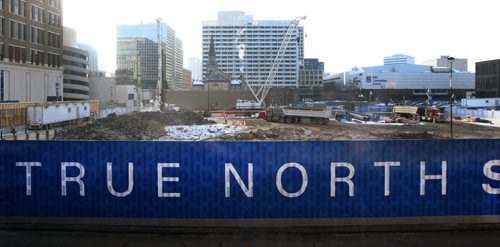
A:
(18, 31)
(75, 91)
(37, 57)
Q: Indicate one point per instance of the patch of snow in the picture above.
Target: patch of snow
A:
(198, 132)
(370, 122)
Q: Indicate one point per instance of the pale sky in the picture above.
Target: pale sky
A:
(342, 33)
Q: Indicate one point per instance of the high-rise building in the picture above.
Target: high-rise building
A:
(312, 73)
(459, 64)
(488, 79)
(399, 59)
(196, 67)
(247, 48)
(138, 58)
(30, 50)
(76, 68)
(137, 45)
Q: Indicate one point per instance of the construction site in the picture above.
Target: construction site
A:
(267, 113)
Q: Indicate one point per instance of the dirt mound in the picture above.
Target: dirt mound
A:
(136, 126)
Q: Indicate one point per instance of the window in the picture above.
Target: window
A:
(36, 13)
(2, 86)
(1, 51)
(54, 3)
(54, 20)
(17, 54)
(54, 40)
(17, 30)
(18, 7)
(1, 4)
(37, 57)
(53, 60)
(1, 26)
(37, 36)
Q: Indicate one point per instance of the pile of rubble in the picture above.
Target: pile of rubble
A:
(136, 126)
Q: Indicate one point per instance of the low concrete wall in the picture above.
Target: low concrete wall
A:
(38, 135)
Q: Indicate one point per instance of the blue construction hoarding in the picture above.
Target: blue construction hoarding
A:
(224, 180)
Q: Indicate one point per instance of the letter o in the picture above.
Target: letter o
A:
(279, 176)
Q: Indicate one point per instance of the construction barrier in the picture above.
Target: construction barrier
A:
(251, 180)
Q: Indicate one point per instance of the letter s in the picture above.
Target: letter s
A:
(489, 173)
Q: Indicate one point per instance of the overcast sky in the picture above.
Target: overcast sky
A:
(342, 33)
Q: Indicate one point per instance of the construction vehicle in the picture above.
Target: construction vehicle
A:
(421, 113)
(296, 115)
(260, 92)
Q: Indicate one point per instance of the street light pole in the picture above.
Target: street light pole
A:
(450, 59)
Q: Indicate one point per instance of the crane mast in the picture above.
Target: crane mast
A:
(260, 92)
(158, 103)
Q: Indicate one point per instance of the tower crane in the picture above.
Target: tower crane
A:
(260, 92)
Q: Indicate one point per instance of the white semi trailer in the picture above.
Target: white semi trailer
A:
(57, 114)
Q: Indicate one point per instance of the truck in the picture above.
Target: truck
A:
(296, 115)
(421, 113)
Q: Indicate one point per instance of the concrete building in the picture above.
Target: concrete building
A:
(400, 81)
(196, 68)
(126, 95)
(30, 50)
(459, 64)
(488, 79)
(399, 59)
(76, 68)
(128, 54)
(103, 88)
(246, 47)
(312, 73)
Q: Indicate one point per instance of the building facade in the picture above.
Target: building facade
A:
(488, 79)
(399, 59)
(173, 54)
(247, 48)
(312, 73)
(188, 79)
(76, 68)
(30, 50)
(400, 81)
(196, 67)
(459, 64)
